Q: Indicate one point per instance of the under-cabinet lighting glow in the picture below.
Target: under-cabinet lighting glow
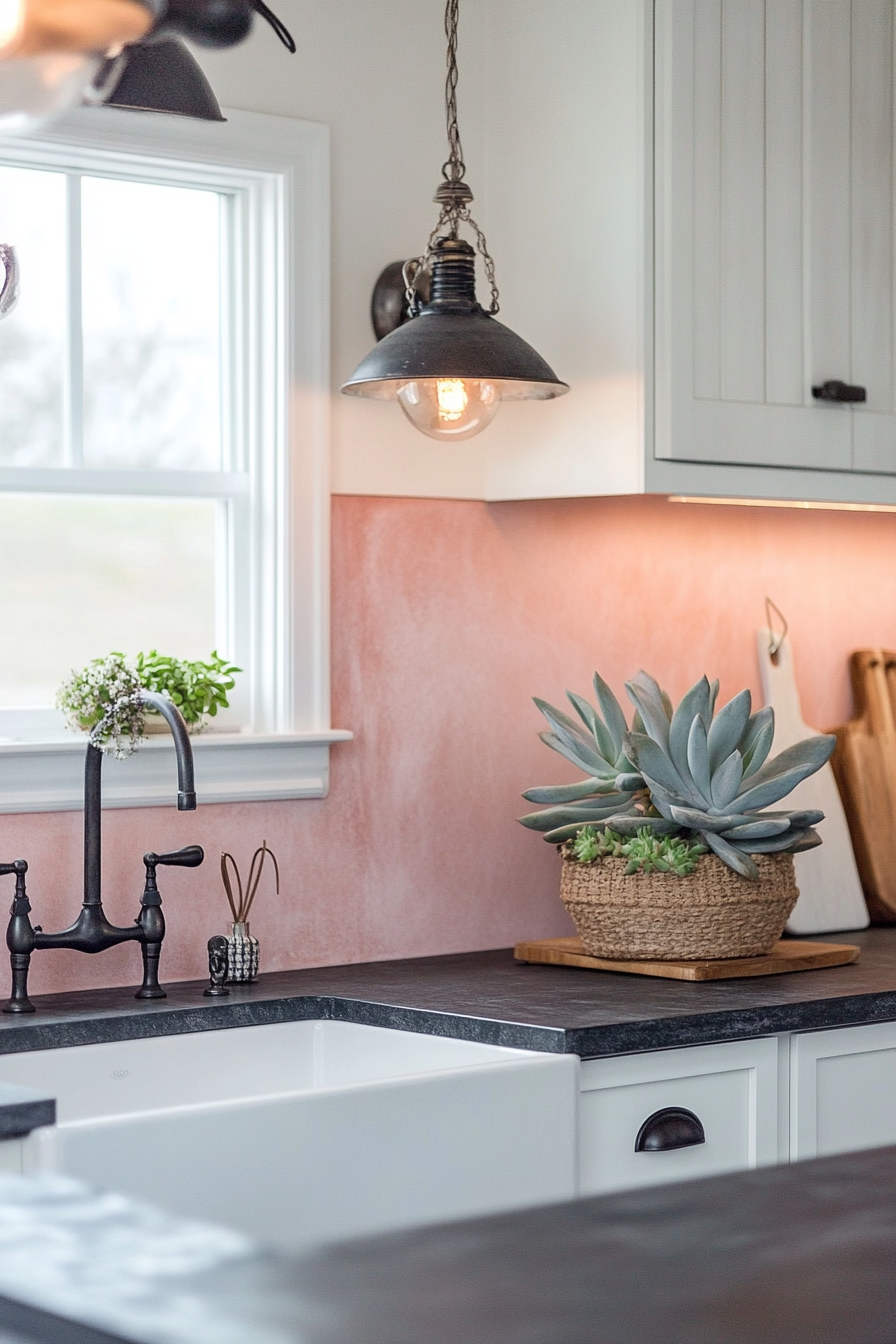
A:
(785, 504)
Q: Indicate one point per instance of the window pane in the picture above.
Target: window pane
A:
(32, 337)
(81, 577)
(151, 321)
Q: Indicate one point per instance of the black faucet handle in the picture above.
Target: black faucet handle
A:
(20, 902)
(191, 857)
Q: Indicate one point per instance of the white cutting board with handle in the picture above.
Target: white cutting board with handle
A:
(830, 891)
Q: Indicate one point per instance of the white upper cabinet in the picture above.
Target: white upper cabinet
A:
(776, 136)
(691, 208)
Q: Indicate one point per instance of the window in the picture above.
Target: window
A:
(163, 394)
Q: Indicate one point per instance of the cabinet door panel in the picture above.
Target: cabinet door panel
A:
(742, 205)
(791, 436)
(826, 77)
(874, 442)
(775, 224)
(872, 318)
(732, 1089)
(872, 206)
(843, 1090)
(785, 368)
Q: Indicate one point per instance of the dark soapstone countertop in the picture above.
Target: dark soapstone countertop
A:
(787, 1255)
(21, 1324)
(488, 997)
(798, 1254)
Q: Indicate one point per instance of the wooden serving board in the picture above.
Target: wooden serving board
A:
(788, 955)
(865, 768)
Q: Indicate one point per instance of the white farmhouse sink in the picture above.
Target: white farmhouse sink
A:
(307, 1131)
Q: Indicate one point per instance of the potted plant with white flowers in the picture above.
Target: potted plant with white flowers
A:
(668, 849)
(103, 699)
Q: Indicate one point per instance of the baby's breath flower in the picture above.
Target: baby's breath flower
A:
(104, 700)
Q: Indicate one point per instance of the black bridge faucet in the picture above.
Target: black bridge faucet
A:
(91, 931)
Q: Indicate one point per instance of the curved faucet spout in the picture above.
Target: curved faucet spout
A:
(186, 793)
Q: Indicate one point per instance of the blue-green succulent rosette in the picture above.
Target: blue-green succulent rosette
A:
(679, 783)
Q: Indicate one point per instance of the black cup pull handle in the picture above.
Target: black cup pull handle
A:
(672, 1127)
(835, 390)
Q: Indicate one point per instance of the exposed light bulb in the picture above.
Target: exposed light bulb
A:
(450, 408)
(11, 16)
(452, 398)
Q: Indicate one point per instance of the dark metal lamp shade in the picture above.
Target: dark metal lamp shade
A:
(163, 76)
(463, 345)
(454, 338)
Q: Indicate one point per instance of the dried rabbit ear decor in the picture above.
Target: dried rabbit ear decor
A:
(242, 948)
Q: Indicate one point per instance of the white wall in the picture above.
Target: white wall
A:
(566, 215)
(551, 112)
(374, 72)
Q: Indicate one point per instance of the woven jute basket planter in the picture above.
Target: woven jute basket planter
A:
(710, 914)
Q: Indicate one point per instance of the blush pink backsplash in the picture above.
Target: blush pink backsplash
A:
(447, 617)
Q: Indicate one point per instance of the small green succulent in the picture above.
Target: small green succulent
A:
(686, 771)
(646, 852)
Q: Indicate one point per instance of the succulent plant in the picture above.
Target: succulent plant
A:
(711, 773)
(707, 774)
(596, 745)
(645, 853)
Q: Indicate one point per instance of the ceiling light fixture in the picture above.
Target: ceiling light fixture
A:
(442, 355)
(55, 54)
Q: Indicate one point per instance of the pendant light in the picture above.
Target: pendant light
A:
(447, 361)
(160, 74)
(48, 60)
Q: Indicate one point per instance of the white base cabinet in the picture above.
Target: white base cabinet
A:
(731, 1089)
(842, 1090)
(759, 1102)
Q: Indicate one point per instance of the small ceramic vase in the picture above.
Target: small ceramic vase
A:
(242, 955)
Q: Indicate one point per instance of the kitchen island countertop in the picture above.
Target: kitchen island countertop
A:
(488, 997)
(784, 1255)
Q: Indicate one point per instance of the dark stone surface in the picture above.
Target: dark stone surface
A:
(20, 1324)
(488, 997)
(787, 1255)
(22, 1109)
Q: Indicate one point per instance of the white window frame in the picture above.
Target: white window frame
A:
(279, 169)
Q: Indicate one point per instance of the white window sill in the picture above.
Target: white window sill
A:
(229, 768)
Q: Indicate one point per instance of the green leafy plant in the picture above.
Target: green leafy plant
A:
(103, 699)
(196, 688)
(645, 853)
(691, 771)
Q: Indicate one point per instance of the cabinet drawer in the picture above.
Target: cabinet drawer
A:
(842, 1090)
(732, 1089)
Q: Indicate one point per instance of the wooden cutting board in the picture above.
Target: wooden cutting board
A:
(830, 888)
(865, 768)
(788, 955)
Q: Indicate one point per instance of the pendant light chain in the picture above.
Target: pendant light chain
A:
(453, 170)
(454, 194)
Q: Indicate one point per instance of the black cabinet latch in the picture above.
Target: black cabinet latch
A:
(834, 390)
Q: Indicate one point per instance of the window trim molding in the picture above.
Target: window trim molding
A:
(288, 491)
(230, 768)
